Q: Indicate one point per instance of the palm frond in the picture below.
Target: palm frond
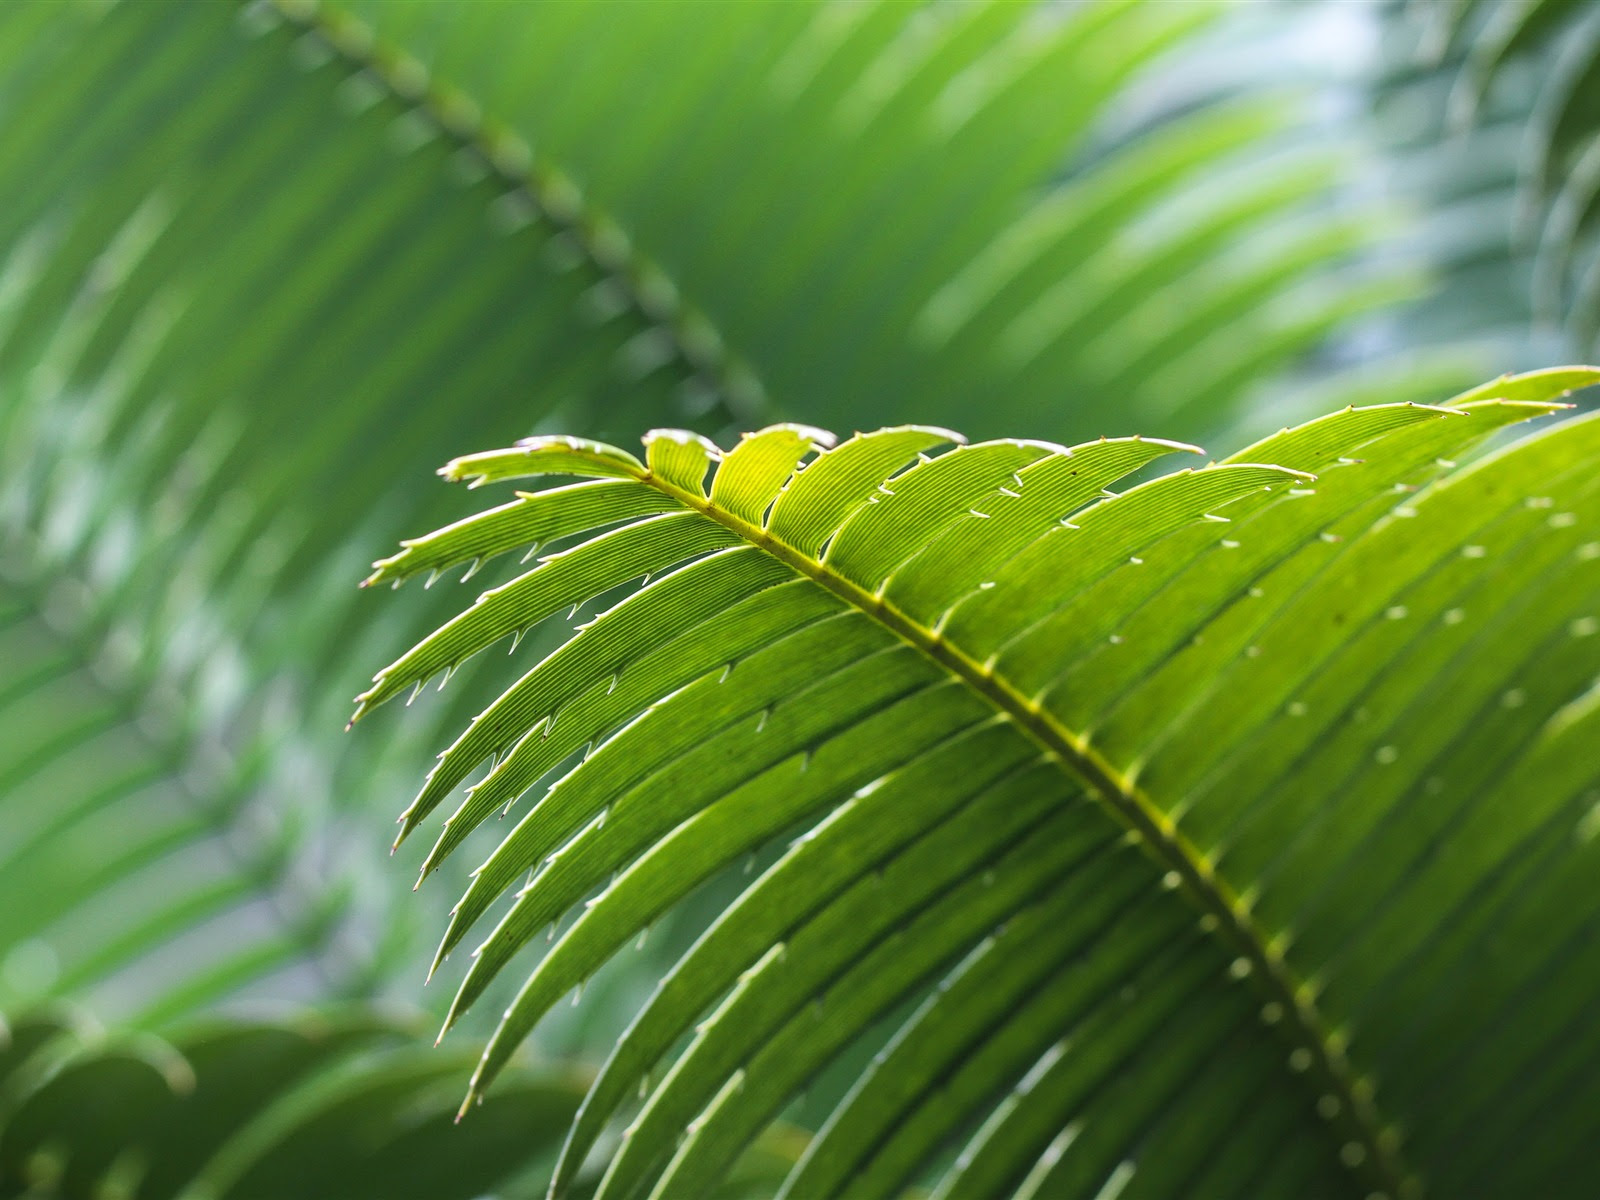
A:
(1498, 100)
(1209, 837)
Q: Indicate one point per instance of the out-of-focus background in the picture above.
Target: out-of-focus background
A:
(264, 266)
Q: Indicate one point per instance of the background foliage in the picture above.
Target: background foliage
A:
(1488, 107)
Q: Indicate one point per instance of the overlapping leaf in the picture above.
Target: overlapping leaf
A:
(1207, 822)
(347, 1106)
(1492, 104)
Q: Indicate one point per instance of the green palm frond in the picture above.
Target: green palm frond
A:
(1210, 837)
(1499, 98)
(339, 1107)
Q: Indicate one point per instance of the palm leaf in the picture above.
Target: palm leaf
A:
(1496, 101)
(1213, 836)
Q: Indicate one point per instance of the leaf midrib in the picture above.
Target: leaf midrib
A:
(1225, 910)
(358, 43)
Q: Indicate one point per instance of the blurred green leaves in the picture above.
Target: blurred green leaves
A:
(1491, 106)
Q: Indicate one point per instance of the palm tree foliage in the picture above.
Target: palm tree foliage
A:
(343, 1105)
(259, 261)
(1214, 836)
(1494, 101)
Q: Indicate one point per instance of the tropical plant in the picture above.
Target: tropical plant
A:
(1231, 834)
(259, 261)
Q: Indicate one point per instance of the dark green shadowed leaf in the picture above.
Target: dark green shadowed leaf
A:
(330, 1106)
